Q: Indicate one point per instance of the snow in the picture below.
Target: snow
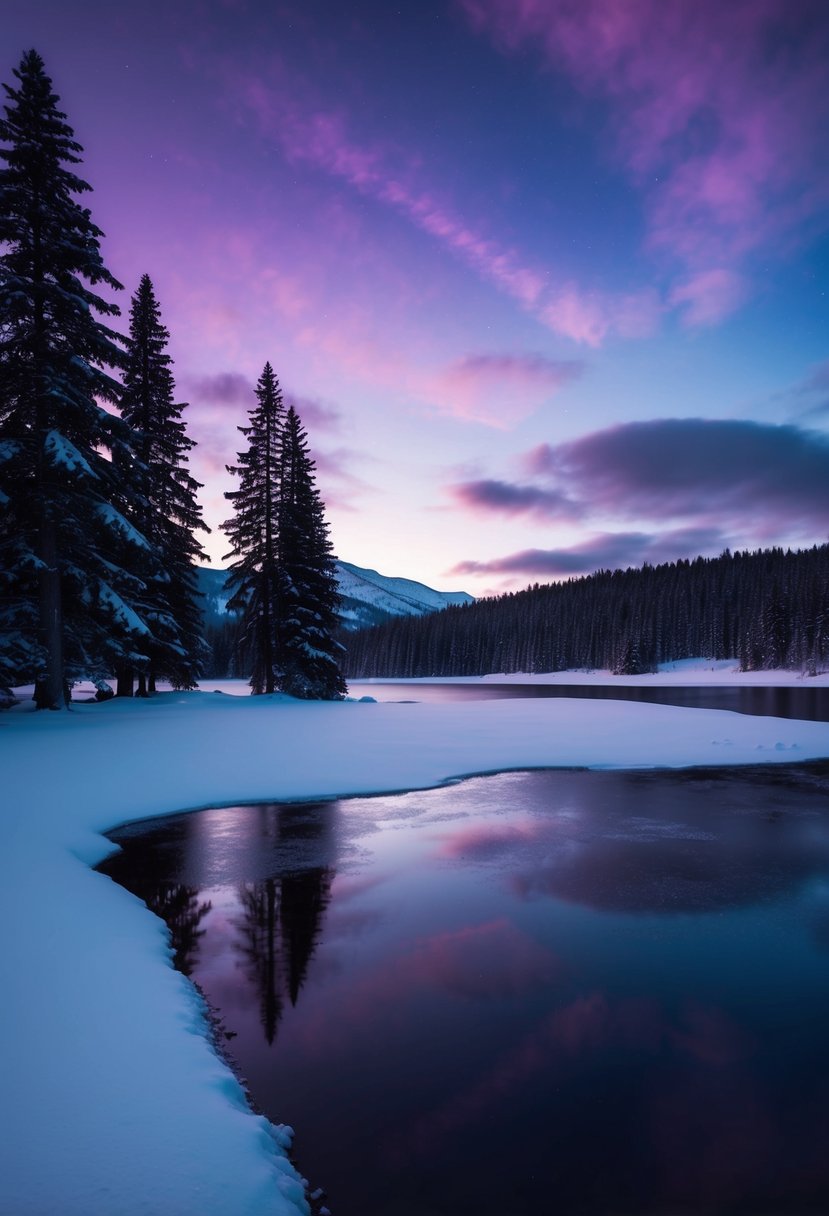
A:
(115, 520)
(684, 673)
(112, 1100)
(399, 596)
(63, 454)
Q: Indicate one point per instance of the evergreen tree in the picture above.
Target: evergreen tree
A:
(67, 606)
(283, 580)
(164, 496)
(254, 579)
(309, 598)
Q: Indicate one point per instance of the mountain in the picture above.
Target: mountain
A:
(368, 598)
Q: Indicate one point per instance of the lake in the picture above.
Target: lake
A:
(809, 703)
(556, 991)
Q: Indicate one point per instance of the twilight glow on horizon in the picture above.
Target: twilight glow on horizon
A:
(545, 279)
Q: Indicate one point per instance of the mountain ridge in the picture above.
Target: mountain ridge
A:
(368, 597)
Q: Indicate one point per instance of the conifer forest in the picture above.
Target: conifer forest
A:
(769, 609)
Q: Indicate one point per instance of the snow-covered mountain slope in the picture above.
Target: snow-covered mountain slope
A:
(367, 596)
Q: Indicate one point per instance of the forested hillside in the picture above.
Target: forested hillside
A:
(768, 608)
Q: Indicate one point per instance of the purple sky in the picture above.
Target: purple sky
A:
(545, 279)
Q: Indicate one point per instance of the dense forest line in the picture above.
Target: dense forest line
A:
(768, 608)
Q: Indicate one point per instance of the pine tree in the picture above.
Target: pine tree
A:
(283, 580)
(67, 596)
(307, 662)
(254, 579)
(164, 495)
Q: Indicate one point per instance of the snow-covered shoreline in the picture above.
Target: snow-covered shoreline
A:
(685, 673)
(113, 1100)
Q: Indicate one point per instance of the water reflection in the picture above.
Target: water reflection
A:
(183, 911)
(270, 925)
(590, 992)
(279, 926)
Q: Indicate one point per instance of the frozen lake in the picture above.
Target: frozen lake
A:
(557, 991)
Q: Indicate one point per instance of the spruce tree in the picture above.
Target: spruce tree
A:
(308, 651)
(254, 579)
(283, 580)
(67, 594)
(164, 499)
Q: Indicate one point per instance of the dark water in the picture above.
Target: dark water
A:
(802, 701)
(550, 992)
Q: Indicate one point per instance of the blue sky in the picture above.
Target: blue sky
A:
(513, 262)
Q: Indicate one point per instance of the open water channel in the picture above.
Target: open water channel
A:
(547, 992)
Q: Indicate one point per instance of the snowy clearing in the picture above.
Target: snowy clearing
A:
(113, 1101)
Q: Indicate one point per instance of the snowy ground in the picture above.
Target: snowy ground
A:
(112, 1102)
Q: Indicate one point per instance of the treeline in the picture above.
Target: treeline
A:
(768, 608)
(98, 510)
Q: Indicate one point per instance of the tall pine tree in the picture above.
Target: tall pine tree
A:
(164, 499)
(253, 534)
(67, 599)
(283, 579)
(308, 653)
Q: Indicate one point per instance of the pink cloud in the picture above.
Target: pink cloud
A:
(494, 959)
(391, 176)
(710, 296)
(502, 389)
(321, 138)
(719, 111)
(591, 316)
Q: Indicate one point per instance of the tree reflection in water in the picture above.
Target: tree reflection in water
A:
(178, 905)
(280, 924)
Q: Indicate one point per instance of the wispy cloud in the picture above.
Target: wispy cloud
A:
(710, 296)
(810, 396)
(506, 498)
(719, 113)
(602, 551)
(502, 389)
(394, 177)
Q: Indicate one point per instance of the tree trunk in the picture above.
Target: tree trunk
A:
(124, 682)
(49, 687)
(141, 690)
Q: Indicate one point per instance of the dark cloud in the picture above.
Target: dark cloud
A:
(224, 388)
(698, 468)
(488, 495)
(604, 551)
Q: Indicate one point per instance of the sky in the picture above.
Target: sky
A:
(546, 280)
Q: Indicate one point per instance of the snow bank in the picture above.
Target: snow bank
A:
(685, 673)
(112, 1100)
